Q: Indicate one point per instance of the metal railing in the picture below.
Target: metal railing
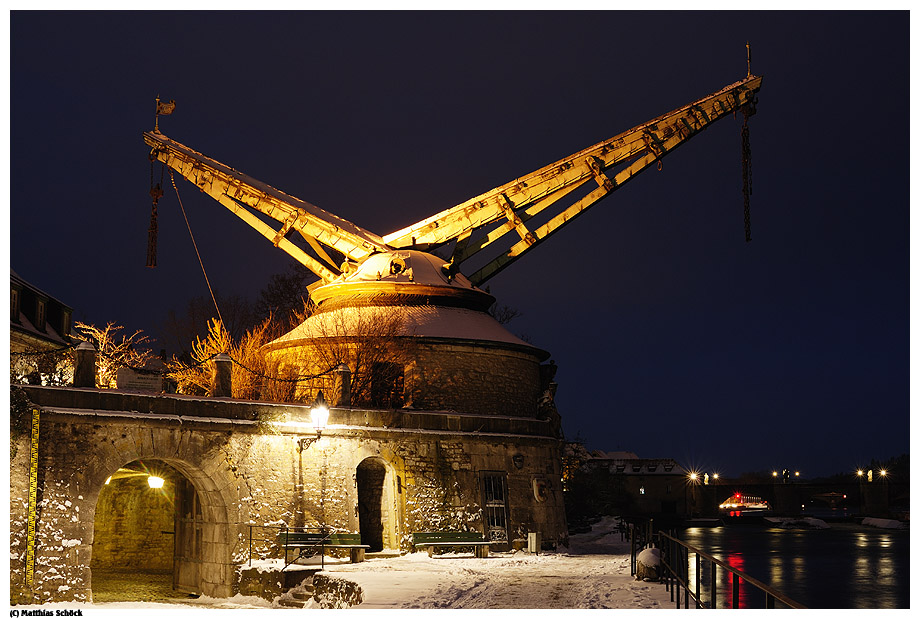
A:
(639, 535)
(675, 573)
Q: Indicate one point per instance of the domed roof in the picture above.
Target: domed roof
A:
(406, 293)
(417, 321)
(401, 274)
(413, 266)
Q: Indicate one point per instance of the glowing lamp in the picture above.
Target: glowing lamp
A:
(859, 472)
(319, 413)
(775, 474)
(155, 482)
(882, 472)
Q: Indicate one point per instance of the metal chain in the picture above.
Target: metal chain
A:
(156, 192)
(746, 176)
(149, 371)
(292, 380)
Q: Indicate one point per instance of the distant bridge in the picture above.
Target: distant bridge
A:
(793, 498)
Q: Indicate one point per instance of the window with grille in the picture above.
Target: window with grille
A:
(495, 505)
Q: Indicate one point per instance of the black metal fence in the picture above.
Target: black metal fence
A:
(693, 575)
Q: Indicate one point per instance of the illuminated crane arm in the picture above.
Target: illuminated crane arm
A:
(240, 193)
(610, 164)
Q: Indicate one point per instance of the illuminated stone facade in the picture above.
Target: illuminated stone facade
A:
(381, 473)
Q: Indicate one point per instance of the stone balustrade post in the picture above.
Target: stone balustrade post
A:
(84, 371)
(222, 376)
(342, 386)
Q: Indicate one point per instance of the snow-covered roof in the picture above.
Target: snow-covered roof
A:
(600, 454)
(418, 321)
(17, 279)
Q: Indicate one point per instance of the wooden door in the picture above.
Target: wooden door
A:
(187, 553)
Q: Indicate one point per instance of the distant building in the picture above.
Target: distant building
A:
(39, 323)
(655, 486)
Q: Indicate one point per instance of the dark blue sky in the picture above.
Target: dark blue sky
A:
(674, 338)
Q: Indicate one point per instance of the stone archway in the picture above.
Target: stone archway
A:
(370, 477)
(133, 552)
(152, 542)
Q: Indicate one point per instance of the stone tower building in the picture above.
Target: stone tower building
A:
(453, 428)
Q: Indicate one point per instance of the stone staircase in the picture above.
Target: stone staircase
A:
(299, 595)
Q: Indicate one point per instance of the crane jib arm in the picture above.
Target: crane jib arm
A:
(239, 193)
(609, 164)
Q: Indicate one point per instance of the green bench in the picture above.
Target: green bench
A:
(433, 540)
(352, 542)
(319, 541)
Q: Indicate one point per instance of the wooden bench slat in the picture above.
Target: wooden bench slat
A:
(433, 540)
(313, 539)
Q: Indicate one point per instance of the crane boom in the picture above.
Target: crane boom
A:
(492, 215)
(239, 193)
(514, 203)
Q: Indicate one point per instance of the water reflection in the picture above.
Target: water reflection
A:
(846, 566)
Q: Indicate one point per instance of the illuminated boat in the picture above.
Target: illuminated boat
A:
(739, 504)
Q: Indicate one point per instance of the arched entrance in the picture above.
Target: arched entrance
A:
(370, 477)
(147, 535)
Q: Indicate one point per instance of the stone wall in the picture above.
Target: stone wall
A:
(440, 375)
(251, 474)
(473, 379)
(133, 528)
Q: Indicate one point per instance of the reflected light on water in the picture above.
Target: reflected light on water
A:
(844, 567)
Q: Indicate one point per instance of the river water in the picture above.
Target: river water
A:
(848, 566)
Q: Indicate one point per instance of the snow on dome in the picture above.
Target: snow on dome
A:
(418, 321)
(406, 266)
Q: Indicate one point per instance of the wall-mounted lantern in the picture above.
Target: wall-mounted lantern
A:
(319, 414)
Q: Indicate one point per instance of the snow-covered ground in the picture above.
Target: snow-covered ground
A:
(593, 573)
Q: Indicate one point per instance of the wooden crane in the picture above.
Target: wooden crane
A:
(504, 213)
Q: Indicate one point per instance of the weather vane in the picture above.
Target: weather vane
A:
(164, 109)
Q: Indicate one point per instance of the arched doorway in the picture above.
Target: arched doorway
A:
(370, 477)
(147, 535)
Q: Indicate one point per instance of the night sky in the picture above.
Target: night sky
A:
(673, 337)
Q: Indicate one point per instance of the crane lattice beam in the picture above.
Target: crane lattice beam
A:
(610, 164)
(242, 194)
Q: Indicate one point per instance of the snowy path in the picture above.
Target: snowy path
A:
(592, 574)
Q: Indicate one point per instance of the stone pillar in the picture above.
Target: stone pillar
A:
(222, 377)
(84, 371)
(342, 386)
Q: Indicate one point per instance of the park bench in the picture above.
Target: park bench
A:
(304, 542)
(352, 542)
(433, 540)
